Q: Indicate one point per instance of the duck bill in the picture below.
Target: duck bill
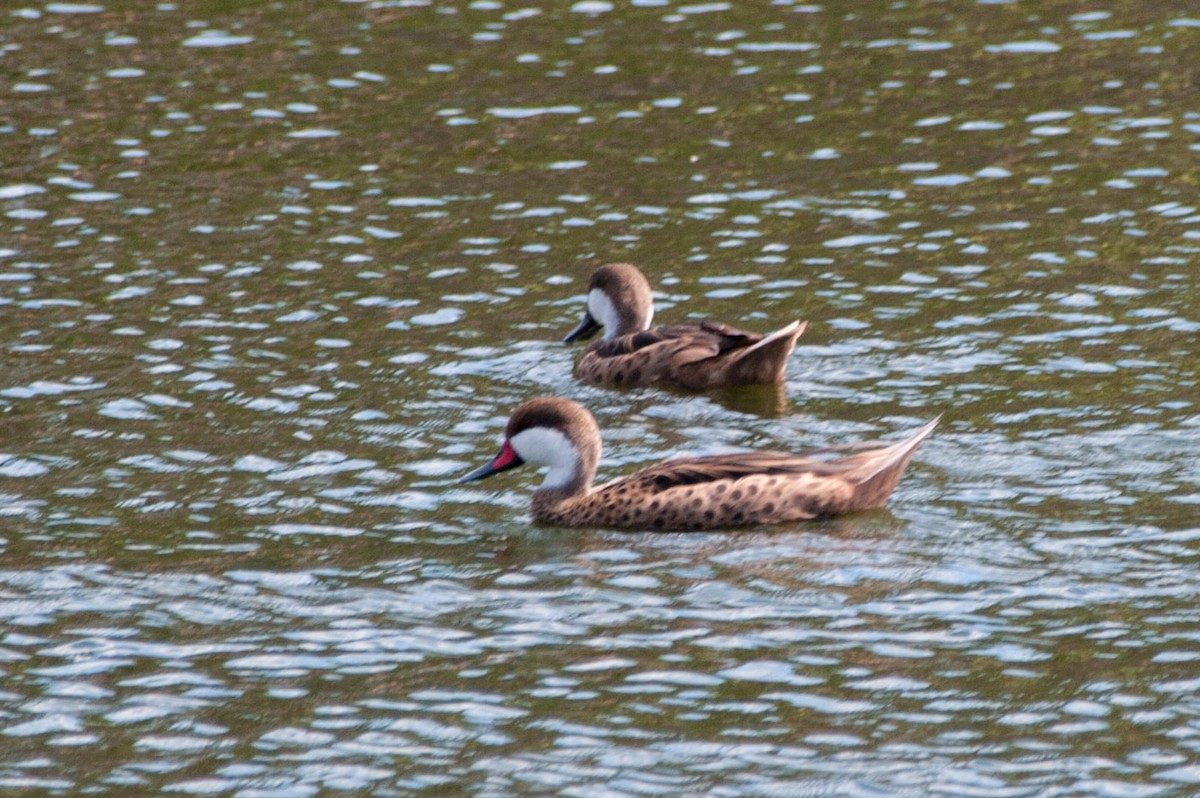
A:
(586, 329)
(506, 459)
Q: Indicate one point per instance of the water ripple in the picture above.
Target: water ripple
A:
(285, 278)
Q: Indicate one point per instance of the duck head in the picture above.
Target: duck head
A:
(553, 433)
(618, 300)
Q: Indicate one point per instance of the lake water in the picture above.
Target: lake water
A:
(272, 276)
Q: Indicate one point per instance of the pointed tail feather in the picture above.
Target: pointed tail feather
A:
(766, 360)
(877, 477)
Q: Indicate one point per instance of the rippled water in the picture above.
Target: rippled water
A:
(273, 275)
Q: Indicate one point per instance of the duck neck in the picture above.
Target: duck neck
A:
(562, 484)
(627, 315)
(549, 504)
(631, 319)
(569, 457)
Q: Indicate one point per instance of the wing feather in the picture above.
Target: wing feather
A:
(698, 339)
(711, 468)
(697, 470)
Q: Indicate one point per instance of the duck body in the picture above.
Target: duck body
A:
(725, 490)
(700, 493)
(695, 355)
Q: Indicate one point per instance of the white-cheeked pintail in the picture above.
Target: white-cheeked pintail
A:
(693, 354)
(723, 490)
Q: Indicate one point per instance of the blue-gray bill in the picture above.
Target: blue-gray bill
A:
(506, 459)
(586, 329)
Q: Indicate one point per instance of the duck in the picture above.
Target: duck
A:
(694, 355)
(689, 493)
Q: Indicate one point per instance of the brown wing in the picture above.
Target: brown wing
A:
(710, 468)
(696, 470)
(699, 339)
(811, 486)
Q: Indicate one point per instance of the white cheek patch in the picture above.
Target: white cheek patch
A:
(549, 448)
(602, 310)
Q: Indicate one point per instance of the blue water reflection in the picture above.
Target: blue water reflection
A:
(272, 278)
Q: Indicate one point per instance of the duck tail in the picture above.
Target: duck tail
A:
(880, 471)
(765, 361)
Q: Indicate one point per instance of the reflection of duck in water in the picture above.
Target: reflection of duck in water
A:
(693, 354)
(689, 493)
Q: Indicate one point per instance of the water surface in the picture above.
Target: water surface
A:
(272, 276)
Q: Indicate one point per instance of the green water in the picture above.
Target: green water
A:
(273, 275)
